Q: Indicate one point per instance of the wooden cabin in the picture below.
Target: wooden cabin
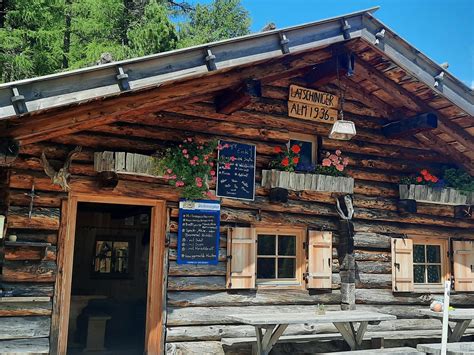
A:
(90, 261)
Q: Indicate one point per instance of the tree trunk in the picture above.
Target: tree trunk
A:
(67, 34)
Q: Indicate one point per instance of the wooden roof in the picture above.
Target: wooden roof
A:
(390, 75)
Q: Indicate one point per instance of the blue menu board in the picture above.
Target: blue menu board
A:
(198, 232)
(237, 178)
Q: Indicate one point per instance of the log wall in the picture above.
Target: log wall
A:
(197, 301)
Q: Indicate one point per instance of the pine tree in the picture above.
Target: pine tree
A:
(221, 19)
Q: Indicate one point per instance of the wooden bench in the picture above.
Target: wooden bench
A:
(24, 346)
(451, 348)
(391, 351)
(284, 339)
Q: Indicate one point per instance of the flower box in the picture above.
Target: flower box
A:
(306, 182)
(427, 194)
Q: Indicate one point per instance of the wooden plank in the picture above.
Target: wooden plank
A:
(24, 271)
(24, 327)
(27, 289)
(24, 346)
(230, 101)
(21, 309)
(41, 218)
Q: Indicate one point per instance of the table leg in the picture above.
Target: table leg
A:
(346, 332)
(266, 341)
(458, 331)
(352, 336)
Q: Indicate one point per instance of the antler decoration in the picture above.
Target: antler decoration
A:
(60, 177)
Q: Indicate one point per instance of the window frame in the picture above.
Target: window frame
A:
(298, 282)
(306, 138)
(444, 259)
(131, 258)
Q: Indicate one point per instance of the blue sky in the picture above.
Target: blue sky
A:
(442, 29)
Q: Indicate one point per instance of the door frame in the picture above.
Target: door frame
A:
(65, 258)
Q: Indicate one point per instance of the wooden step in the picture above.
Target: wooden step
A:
(24, 346)
(391, 351)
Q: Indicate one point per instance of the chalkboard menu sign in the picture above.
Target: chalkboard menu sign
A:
(236, 171)
(198, 232)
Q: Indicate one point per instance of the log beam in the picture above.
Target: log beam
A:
(230, 101)
(409, 126)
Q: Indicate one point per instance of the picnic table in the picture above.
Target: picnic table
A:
(462, 318)
(275, 324)
(451, 348)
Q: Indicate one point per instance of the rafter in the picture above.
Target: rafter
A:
(414, 103)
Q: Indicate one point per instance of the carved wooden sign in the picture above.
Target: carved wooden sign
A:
(313, 105)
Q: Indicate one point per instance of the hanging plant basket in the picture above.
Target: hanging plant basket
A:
(306, 182)
(428, 194)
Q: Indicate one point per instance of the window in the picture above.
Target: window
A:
(274, 257)
(309, 148)
(419, 264)
(112, 258)
(279, 256)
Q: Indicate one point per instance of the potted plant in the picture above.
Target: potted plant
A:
(456, 187)
(190, 166)
(329, 176)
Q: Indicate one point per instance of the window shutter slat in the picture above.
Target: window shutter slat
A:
(319, 260)
(463, 252)
(241, 249)
(402, 265)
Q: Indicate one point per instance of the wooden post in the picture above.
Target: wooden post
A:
(444, 333)
(346, 252)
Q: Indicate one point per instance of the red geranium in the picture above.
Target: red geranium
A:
(277, 149)
(419, 179)
(296, 160)
(285, 162)
(295, 148)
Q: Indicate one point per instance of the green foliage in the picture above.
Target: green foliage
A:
(459, 180)
(221, 19)
(189, 166)
(45, 36)
(153, 33)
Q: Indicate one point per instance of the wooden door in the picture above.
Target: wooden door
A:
(62, 294)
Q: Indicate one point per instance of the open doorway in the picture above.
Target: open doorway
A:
(109, 279)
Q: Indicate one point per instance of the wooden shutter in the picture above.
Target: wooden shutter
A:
(463, 265)
(241, 251)
(319, 260)
(402, 265)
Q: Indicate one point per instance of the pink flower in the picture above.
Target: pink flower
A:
(198, 179)
(185, 151)
(201, 147)
(199, 184)
(169, 171)
(206, 157)
(227, 166)
(196, 158)
(220, 147)
(339, 167)
(345, 161)
(190, 139)
(173, 177)
(326, 162)
(186, 156)
(226, 145)
(232, 158)
(181, 146)
(211, 163)
(166, 177)
(333, 158)
(192, 162)
(204, 162)
(212, 173)
(338, 152)
(179, 183)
